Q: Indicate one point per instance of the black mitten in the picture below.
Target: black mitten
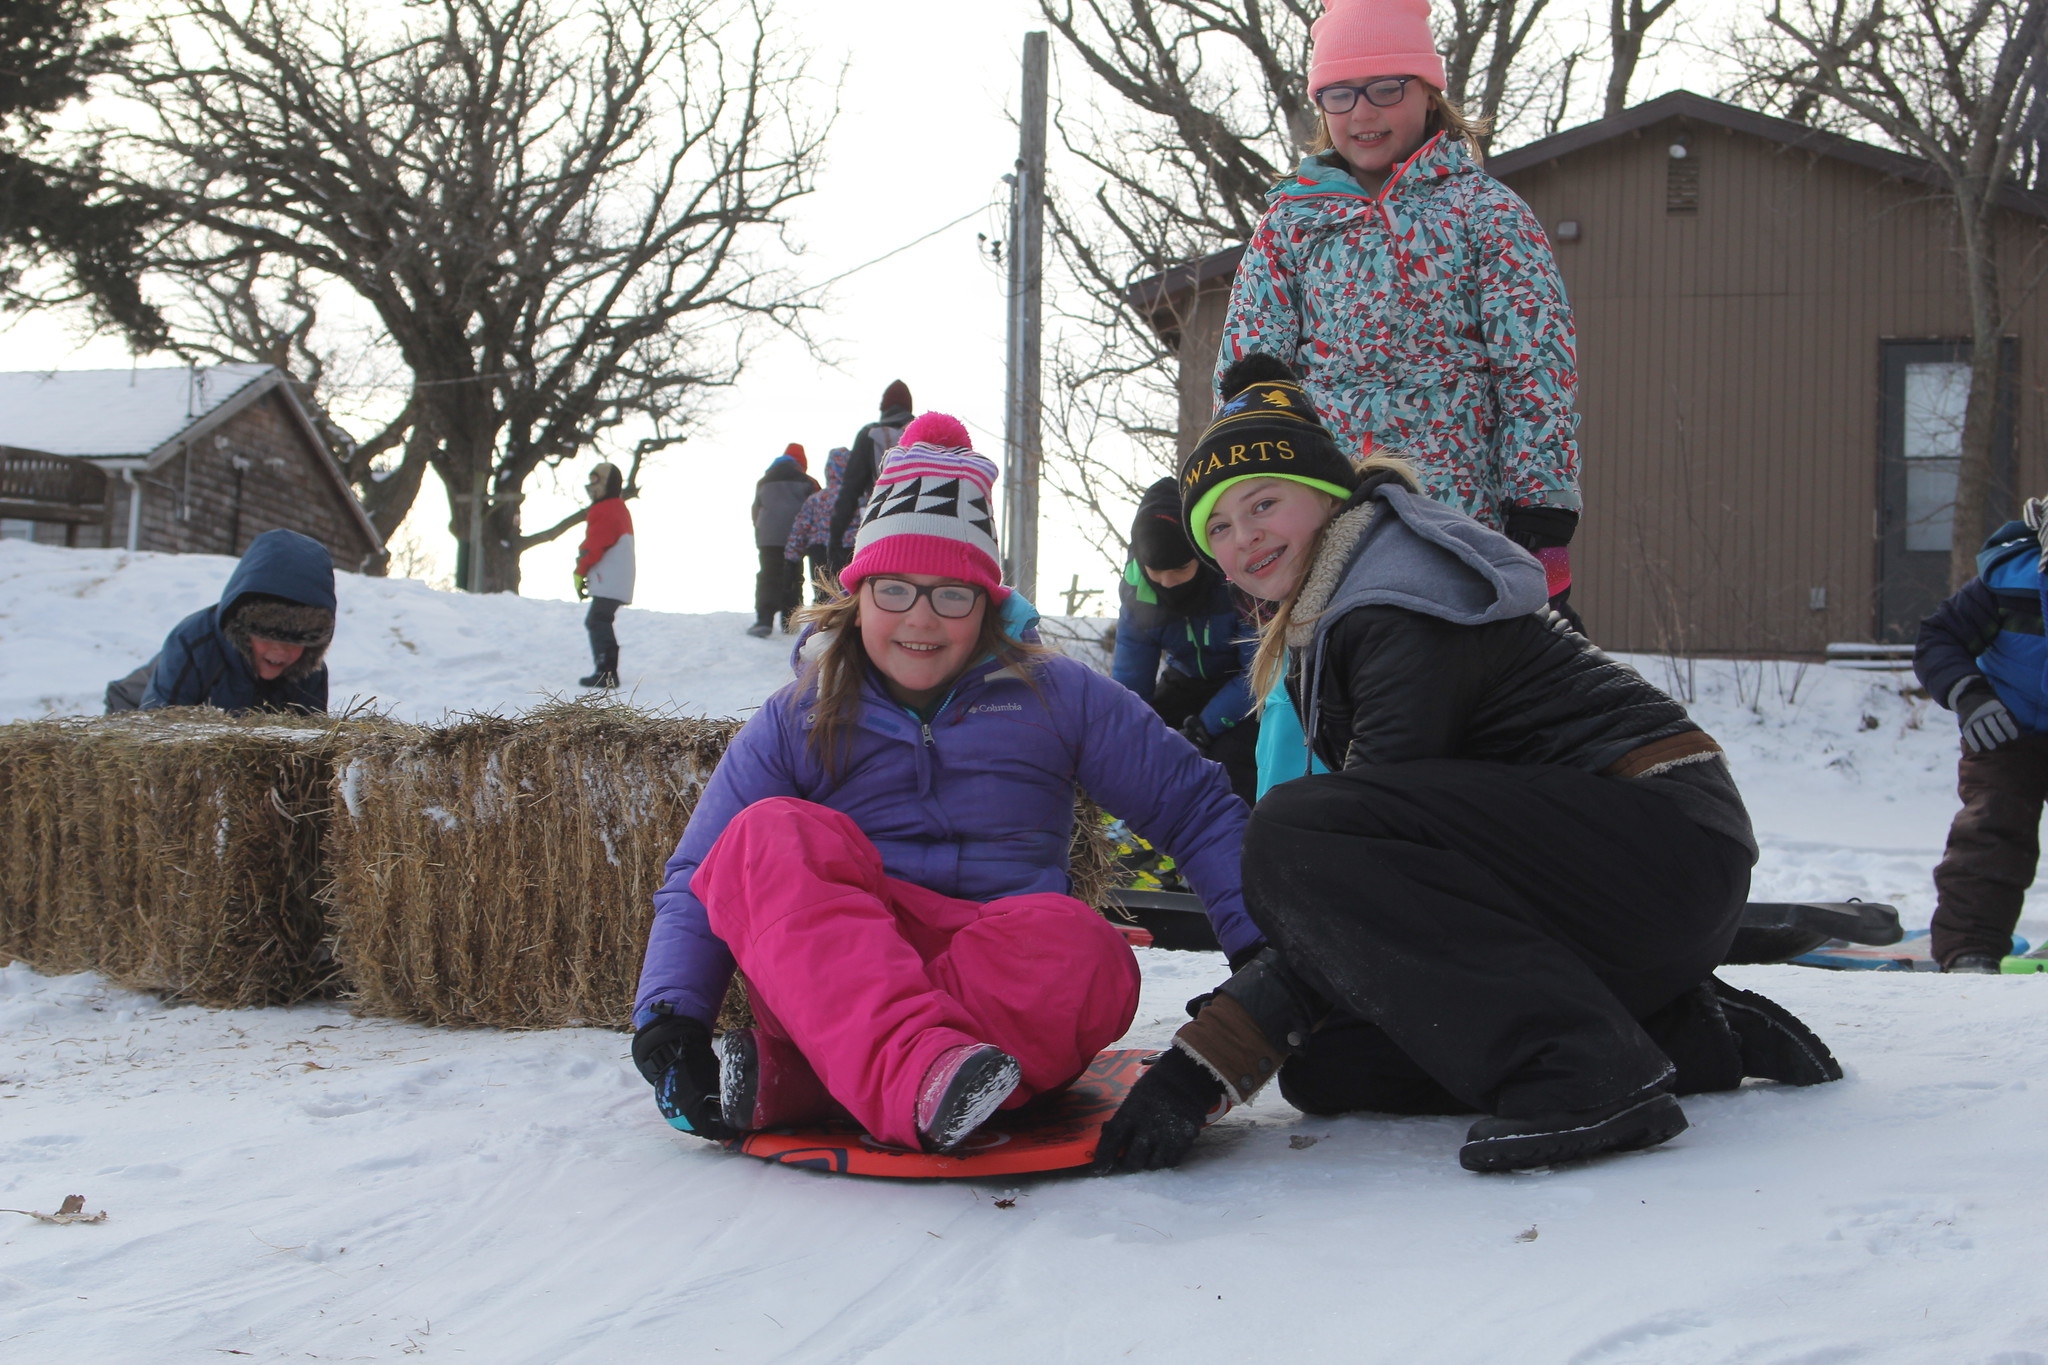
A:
(1159, 1120)
(674, 1054)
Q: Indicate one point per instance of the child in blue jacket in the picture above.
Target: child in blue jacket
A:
(1982, 654)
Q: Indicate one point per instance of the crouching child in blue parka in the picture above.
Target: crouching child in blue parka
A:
(1981, 654)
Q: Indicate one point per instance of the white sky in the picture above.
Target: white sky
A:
(923, 137)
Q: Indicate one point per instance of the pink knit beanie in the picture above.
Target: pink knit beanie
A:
(929, 512)
(1359, 38)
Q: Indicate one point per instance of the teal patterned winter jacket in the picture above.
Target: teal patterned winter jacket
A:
(1428, 322)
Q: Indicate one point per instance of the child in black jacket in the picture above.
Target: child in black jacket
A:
(1510, 891)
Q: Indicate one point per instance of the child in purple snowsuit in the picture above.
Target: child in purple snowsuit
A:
(883, 849)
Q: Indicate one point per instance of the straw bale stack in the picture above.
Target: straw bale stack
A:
(174, 851)
(501, 871)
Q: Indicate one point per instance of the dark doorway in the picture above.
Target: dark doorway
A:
(1926, 384)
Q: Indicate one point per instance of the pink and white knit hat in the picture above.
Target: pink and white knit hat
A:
(1355, 39)
(929, 513)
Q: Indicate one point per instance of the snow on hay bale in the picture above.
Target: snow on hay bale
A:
(174, 851)
(502, 870)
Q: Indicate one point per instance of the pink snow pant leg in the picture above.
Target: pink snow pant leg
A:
(872, 978)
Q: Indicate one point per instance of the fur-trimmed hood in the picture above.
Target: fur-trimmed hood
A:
(282, 589)
(1389, 546)
(1425, 557)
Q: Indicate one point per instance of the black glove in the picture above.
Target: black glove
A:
(1985, 721)
(1196, 733)
(674, 1054)
(1239, 960)
(1159, 1120)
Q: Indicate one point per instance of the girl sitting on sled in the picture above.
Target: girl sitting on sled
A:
(883, 849)
(1509, 888)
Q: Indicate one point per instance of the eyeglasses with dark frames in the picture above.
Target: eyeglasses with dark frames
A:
(1380, 94)
(950, 600)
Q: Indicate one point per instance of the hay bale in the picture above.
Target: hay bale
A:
(176, 851)
(502, 871)
(1092, 860)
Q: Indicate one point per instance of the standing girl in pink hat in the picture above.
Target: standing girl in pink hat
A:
(1414, 294)
(883, 849)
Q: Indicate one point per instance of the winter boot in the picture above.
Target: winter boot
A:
(761, 630)
(1547, 1139)
(1973, 964)
(962, 1089)
(764, 1082)
(604, 678)
(1776, 1046)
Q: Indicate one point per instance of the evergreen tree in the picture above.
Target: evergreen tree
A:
(51, 210)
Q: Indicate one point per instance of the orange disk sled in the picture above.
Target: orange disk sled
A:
(1055, 1133)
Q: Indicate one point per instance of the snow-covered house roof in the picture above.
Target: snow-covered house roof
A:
(138, 418)
(133, 414)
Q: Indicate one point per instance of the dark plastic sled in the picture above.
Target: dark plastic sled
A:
(1771, 931)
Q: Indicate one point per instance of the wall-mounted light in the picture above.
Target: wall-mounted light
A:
(1678, 151)
(1568, 230)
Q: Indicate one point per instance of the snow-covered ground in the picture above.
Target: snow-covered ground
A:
(303, 1184)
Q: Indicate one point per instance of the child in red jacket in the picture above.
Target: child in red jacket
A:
(604, 570)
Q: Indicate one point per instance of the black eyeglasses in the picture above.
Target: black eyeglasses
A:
(950, 600)
(1381, 94)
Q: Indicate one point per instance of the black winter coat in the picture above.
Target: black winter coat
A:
(863, 462)
(1473, 664)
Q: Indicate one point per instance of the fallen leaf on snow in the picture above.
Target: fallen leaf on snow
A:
(72, 1210)
(1301, 1142)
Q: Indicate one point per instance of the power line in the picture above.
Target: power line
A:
(901, 249)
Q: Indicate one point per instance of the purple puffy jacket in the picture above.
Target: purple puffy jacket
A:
(978, 805)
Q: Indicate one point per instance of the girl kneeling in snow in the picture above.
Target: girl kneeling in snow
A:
(883, 849)
(1508, 890)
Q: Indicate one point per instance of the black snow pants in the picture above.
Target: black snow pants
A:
(1994, 847)
(1509, 939)
(778, 587)
(604, 641)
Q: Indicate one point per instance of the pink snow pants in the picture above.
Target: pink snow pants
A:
(872, 978)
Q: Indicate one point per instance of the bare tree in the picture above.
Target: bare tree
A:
(548, 205)
(1484, 43)
(267, 308)
(1948, 81)
(1628, 25)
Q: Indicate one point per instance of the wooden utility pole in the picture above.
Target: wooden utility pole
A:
(1020, 425)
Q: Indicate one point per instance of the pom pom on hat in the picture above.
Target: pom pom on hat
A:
(938, 429)
(1256, 368)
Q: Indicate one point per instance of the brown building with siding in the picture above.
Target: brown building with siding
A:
(196, 460)
(1773, 351)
